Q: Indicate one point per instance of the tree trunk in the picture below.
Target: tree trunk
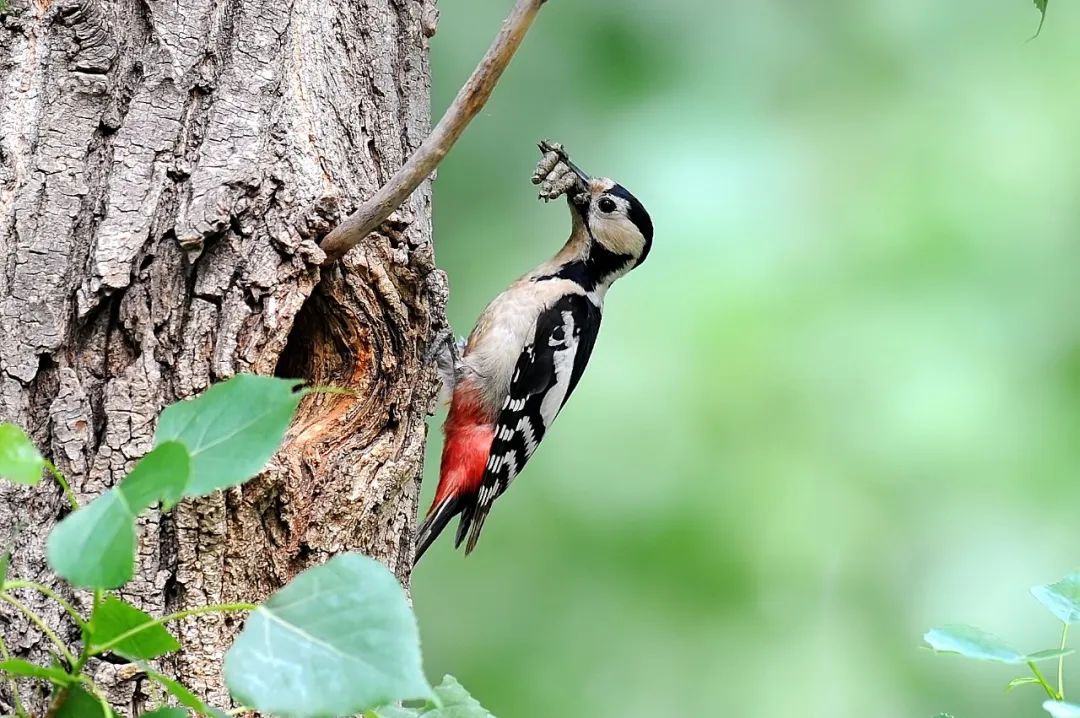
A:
(166, 169)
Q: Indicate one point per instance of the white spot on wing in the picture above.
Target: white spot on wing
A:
(526, 429)
(510, 460)
(563, 363)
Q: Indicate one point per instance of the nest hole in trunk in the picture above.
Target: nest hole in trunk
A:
(329, 346)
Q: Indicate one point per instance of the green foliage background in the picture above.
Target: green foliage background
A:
(841, 401)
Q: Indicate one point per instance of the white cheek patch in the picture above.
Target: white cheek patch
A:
(619, 235)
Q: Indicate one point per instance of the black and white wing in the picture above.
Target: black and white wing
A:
(547, 371)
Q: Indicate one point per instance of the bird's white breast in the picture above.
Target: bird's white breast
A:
(504, 328)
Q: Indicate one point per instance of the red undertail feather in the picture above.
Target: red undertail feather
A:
(469, 433)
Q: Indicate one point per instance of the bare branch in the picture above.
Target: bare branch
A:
(470, 99)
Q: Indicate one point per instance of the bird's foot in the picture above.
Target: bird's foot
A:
(445, 351)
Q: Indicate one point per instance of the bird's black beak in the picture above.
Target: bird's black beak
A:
(577, 170)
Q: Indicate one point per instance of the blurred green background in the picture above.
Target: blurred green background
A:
(838, 405)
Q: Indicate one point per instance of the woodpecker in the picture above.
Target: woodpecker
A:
(530, 346)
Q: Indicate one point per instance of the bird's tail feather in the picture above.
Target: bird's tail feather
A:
(473, 526)
(436, 521)
(463, 524)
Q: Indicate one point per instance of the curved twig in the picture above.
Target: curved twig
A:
(470, 99)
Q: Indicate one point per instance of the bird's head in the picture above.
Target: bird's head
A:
(616, 220)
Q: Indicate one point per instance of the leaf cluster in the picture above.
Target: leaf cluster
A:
(338, 640)
(1062, 599)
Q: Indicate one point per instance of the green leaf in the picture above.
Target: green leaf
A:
(94, 547)
(53, 674)
(1062, 598)
(1061, 709)
(5, 561)
(181, 693)
(114, 617)
(973, 643)
(980, 645)
(20, 460)
(1040, 5)
(166, 713)
(337, 640)
(1021, 681)
(232, 429)
(161, 475)
(78, 703)
(455, 703)
(1048, 654)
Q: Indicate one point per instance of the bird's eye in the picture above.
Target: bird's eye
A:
(606, 205)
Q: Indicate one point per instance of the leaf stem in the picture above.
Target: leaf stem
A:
(42, 626)
(20, 710)
(216, 608)
(63, 484)
(43, 589)
(1042, 681)
(1061, 662)
(84, 654)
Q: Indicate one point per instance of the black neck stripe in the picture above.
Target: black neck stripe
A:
(600, 265)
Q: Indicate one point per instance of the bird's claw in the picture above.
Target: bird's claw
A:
(445, 351)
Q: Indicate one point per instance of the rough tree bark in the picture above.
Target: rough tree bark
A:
(165, 170)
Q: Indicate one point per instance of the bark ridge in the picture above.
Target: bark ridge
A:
(166, 169)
